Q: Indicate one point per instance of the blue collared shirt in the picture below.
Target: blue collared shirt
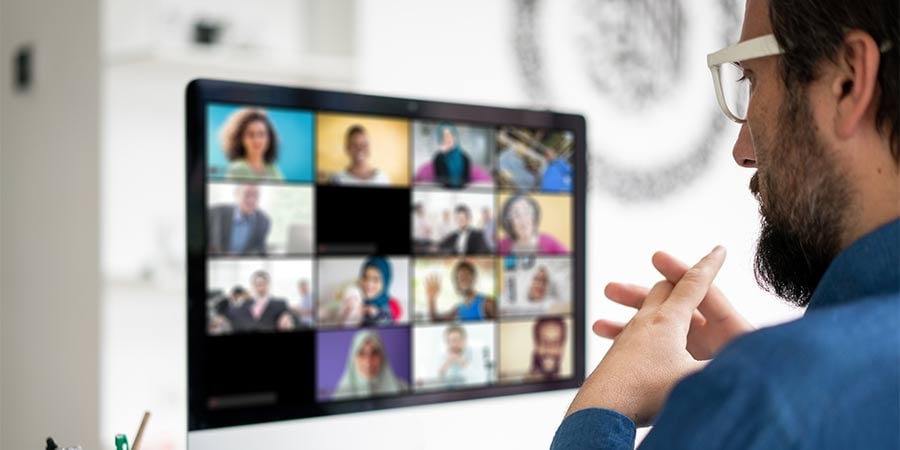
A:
(240, 231)
(830, 380)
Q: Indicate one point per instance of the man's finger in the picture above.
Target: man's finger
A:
(607, 328)
(697, 319)
(694, 285)
(699, 365)
(660, 292)
(715, 306)
(626, 294)
(610, 329)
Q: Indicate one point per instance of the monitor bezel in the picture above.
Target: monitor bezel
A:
(201, 92)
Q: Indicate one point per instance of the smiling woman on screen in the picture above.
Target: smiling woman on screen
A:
(251, 145)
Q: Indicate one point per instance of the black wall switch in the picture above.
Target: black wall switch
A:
(22, 65)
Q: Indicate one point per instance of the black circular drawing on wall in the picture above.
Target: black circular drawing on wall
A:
(622, 44)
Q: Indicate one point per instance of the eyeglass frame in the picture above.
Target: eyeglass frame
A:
(758, 47)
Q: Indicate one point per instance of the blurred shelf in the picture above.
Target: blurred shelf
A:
(243, 63)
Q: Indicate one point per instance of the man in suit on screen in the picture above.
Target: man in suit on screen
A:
(239, 228)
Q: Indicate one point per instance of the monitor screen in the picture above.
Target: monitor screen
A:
(350, 252)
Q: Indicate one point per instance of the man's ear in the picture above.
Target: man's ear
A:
(855, 82)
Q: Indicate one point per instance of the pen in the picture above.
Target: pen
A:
(140, 432)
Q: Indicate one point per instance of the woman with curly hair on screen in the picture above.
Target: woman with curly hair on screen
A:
(251, 145)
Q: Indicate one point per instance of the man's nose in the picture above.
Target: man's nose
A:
(743, 152)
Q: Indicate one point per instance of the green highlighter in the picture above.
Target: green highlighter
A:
(122, 442)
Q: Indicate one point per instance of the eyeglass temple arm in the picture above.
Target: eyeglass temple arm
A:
(754, 48)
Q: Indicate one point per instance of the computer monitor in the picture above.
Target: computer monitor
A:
(351, 252)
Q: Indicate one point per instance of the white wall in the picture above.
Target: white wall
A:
(2, 96)
(49, 198)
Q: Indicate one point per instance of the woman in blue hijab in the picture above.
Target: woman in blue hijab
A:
(374, 281)
(451, 165)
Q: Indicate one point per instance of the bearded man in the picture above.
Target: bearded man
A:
(818, 102)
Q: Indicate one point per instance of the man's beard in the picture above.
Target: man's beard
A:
(803, 200)
(538, 365)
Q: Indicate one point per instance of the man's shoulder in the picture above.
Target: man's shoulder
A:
(842, 362)
(819, 360)
(261, 216)
(861, 330)
(221, 209)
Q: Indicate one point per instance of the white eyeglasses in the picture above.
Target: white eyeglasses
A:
(732, 89)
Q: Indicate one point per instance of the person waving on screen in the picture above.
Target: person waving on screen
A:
(473, 305)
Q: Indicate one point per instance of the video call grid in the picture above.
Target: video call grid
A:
(493, 191)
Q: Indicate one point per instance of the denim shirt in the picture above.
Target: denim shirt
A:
(240, 231)
(830, 380)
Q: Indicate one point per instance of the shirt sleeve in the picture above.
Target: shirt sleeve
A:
(728, 405)
(595, 428)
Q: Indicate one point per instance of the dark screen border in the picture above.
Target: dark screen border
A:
(200, 92)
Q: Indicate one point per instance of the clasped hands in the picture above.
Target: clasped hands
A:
(681, 323)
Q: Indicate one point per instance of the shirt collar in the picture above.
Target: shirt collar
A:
(238, 216)
(868, 267)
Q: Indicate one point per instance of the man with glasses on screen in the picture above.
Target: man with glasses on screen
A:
(814, 85)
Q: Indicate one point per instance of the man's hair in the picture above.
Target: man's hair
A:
(812, 31)
(238, 290)
(548, 321)
(463, 209)
(455, 329)
(464, 265)
(260, 274)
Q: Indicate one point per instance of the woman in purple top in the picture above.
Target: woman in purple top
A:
(520, 219)
(451, 166)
